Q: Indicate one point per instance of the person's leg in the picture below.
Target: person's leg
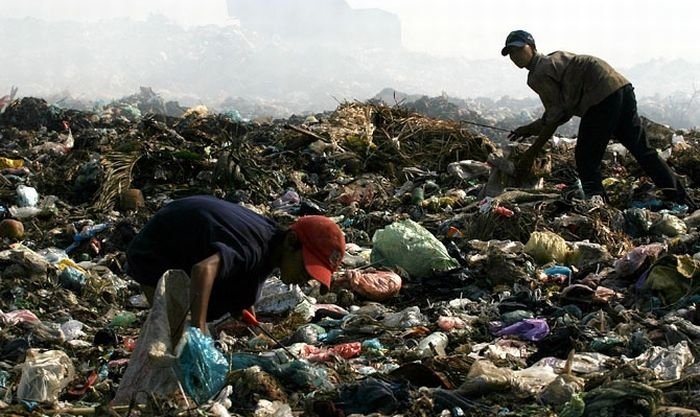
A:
(632, 135)
(594, 134)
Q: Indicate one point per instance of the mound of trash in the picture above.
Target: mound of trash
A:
(464, 290)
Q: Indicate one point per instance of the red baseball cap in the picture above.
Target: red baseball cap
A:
(323, 246)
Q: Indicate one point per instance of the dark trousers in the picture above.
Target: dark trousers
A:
(616, 116)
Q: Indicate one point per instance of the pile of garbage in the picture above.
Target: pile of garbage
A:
(464, 290)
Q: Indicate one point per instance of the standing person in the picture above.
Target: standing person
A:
(588, 87)
(228, 252)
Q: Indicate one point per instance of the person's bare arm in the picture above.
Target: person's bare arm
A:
(202, 279)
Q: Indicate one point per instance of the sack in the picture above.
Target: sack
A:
(408, 245)
(152, 365)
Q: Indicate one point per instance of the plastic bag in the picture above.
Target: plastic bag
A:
(672, 277)
(203, 367)
(278, 298)
(586, 254)
(485, 377)
(546, 247)
(670, 226)
(374, 285)
(408, 317)
(432, 345)
(408, 245)
(72, 329)
(72, 279)
(44, 375)
(468, 169)
(634, 259)
(528, 329)
(296, 374)
(27, 196)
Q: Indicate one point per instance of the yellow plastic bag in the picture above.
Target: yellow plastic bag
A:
(547, 247)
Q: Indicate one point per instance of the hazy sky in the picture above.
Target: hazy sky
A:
(623, 32)
(192, 12)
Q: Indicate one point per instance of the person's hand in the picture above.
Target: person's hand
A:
(521, 133)
(206, 331)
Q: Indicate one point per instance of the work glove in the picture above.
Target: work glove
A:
(521, 133)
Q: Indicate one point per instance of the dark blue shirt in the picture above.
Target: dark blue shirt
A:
(191, 229)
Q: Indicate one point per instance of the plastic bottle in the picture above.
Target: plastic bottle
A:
(432, 345)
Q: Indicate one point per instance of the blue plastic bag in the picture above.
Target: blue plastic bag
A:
(203, 367)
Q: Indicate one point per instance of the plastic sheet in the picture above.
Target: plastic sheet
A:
(666, 363)
(14, 317)
(298, 374)
(528, 329)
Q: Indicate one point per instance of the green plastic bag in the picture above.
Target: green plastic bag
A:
(408, 245)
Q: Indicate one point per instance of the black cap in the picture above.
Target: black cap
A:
(517, 38)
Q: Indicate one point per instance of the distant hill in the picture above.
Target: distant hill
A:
(305, 66)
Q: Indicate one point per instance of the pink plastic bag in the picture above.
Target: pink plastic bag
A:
(18, 316)
(374, 285)
(344, 350)
(450, 323)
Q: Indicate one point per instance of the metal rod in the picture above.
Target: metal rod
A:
(483, 125)
(274, 339)
(249, 318)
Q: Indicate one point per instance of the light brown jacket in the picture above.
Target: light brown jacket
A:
(569, 84)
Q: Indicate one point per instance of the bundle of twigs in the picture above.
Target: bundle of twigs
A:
(118, 168)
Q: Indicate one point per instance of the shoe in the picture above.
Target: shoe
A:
(683, 198)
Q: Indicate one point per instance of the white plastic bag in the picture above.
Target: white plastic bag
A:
(44, 375)
(27, 196)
